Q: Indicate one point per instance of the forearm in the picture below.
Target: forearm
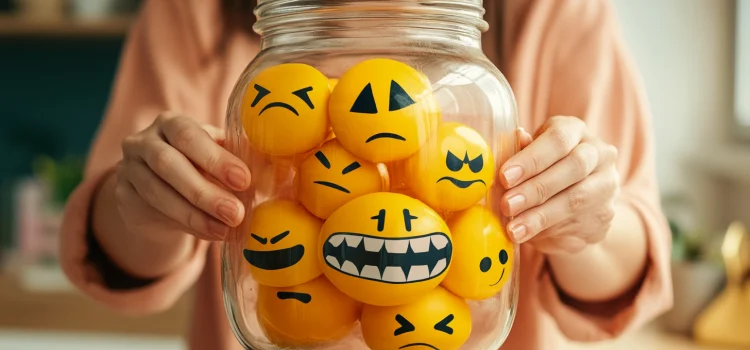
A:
(606, 270)
(140, 254)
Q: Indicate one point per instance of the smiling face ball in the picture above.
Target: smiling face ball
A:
(332, 176)
(285, 109)
(385, 248)
(454, 170)
(383, 110)
(306, 314)
(438, 320)
(281, 244)
(482, 255)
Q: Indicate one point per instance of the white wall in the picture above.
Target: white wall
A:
(684, 51)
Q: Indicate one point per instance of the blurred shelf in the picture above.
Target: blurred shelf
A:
(20, 26)
(726, 161)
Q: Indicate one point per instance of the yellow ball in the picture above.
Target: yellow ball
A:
(281, 244)
(306, 314)
(482, 254)
(383, 110)
(285, 109)
(454, 170)
(437, 320)
(385, 249)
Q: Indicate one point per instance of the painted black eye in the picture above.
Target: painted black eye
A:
(406, 326)
(351, 167)
(303, 95)
(323, 159)
(381, 219)
(485, 264)
(407, 219)
(262, 92)
(443, 325)
(476, 164)
(259, 238)
(365, 102)
(399, 99)
(452, 162)
(279, 237)
(503, 256)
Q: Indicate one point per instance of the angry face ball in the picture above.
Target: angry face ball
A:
(285, 109)
(383, 110)
(385, 248)
(454, 170)
(281, 244)
(482, 255)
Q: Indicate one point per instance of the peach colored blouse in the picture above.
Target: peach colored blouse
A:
(562, 57)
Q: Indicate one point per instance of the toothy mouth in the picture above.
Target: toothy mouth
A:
(388, 260)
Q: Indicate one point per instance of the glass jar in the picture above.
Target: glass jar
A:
(374, 131)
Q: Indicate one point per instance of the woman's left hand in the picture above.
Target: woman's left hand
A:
(561, 187)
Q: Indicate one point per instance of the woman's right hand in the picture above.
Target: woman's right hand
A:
(161, 186)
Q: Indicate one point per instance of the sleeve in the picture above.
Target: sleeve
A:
(164, 66)
(588, 74)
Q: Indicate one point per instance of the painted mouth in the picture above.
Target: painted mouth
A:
(302, 297)
(499, 279)
(385, 135)
(332, 185)
(281, 105)
(460, 183)
(275, 259)
(419, 344)
(396, 261)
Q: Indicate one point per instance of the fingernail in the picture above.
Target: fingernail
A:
(515, 202)
(218, 229)
(518, 231)
(237, 177)
(512, 175)
(227, 211)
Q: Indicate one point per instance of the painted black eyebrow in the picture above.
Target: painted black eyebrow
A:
(323, 160)
(259, 238)
(351, 167)
(279, 237)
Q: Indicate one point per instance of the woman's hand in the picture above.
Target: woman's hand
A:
(561, 186)
(161, 186)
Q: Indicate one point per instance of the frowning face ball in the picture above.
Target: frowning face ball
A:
(281, 244)
(454, 170)
(437, 320)
(285, 109)
(332, 176)
(385, 248)
(383, 110)
(482, 256)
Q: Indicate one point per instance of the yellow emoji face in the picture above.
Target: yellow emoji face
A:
(383, 110)
(285, 109)
(306, 314)
(437, 320)
(332, 176)
(385, 248)
(281, 246)
(454, 170)
(482, 255)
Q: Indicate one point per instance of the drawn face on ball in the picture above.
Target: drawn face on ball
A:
(385, 248)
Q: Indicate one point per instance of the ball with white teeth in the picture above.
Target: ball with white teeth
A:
(385, 249)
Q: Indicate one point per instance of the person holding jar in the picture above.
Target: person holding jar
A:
(143, 227)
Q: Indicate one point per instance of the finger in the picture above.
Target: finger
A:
(185, 135)
(607, 153)
(596, 189)
(524, 138)
(536, 191)
(163, 198)
(176, 170)
(552, 145)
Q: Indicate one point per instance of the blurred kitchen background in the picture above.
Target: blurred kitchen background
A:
(57, 62)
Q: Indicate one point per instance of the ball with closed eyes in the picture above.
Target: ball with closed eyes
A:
(285, 109)
(454, 170)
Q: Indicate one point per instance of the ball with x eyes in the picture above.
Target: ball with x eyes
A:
(437, 320)
(285, 109)
(454, 170)
(332, 176)
(281, 244)
(482, 255)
